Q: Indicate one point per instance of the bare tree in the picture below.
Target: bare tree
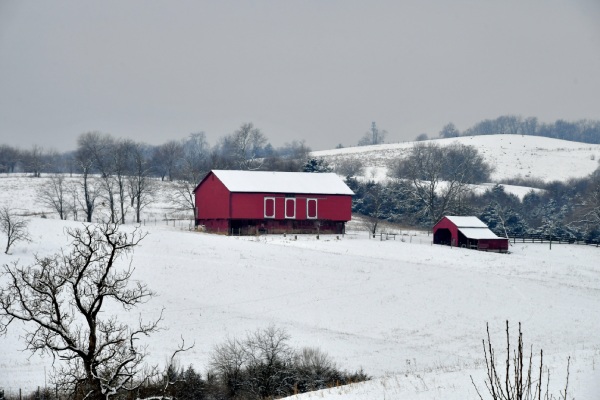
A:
(166, 158)
(440, 175)
(228, 360)
(91, 191)
(449, 131)
(35, 160)
(101, 150)
(268, 353)
(315, 367)
(122, 167)
(139, 181)
(74, 200)
(375, 198)
(290, 157)
(9, 157)
(61, 299)
(85, 163)
(350, 167)
(14, 227)
(55, 195)
(193, 166)
(586, 213)
(98, 147)
(374, 136)
(259, 365)
(244, 147)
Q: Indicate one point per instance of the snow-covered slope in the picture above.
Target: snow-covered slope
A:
(511, 155)
(411, 314)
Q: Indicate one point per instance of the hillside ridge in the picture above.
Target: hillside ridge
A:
(512, 156)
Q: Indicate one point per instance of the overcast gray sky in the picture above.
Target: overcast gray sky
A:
(315, 70)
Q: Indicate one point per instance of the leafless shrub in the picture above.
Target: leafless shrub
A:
(520, 381)
(350, 167)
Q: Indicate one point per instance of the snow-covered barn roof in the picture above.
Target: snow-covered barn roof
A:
(466, 222)
(282, 182)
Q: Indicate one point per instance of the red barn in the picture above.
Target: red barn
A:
(469, 232)
(250, 202)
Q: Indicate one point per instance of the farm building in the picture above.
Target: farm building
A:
(469, 232)
(251, 202)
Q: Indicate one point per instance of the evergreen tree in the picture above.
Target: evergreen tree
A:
(316, 165)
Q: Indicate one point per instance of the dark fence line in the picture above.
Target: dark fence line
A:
(540, 238)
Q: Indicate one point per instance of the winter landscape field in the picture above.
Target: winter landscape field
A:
(514, 156)
(411, 314)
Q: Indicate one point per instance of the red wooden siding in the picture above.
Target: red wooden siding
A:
(212, 199)
(260, 205)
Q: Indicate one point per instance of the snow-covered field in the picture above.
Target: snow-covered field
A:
(512, 155)
(411, 314)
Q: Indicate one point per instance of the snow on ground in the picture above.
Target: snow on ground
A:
(512, 155)
(410, 313)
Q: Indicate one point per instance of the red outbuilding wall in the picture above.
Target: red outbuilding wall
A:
(445, 223)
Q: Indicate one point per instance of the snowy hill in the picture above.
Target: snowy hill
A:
(409, 313)
(512, 156)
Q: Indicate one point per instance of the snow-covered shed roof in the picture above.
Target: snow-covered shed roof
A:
(472, 227)
(282, 182)
(466, 222)
(478, 233)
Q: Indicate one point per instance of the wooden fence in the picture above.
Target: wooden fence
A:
(540, 238)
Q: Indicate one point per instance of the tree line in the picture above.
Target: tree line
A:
(585, 131)
(121, 174)
(433, 181)
(246, 148)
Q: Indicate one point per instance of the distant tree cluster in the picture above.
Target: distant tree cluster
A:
(433, 181)
(374, 136)
(585, 131)
(569, 210)
(430, 182)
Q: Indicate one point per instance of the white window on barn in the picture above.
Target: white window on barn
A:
(311, 208)
(269, 207)
(290, 208)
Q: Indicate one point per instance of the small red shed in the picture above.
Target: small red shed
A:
(469, 232)
(250, 202)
